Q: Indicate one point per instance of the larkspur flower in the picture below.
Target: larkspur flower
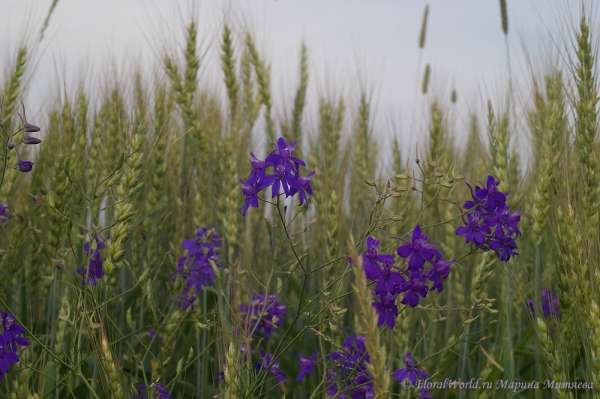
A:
(12, 343)
(272, 367)
(284, 152)
(263, 314)
(490, 196)
(387, 310)
(440, 270)
(372, 259)
(409, 372)
(306, 366)
(475, 230)
(250, 190)
(258, 169)
(504, 245)
(303, 187)
(417, 250)
(389, 280)
(195, 268)
(161, 392)
(7, 357)
(415, 286)
(142, 392)
(550, 304)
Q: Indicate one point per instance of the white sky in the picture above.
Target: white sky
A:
(373, 43)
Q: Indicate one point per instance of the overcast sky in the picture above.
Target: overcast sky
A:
(373, 44)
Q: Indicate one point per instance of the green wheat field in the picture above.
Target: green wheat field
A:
(150, 249)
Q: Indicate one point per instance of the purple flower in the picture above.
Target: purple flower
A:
(475, 229)
(306, 365)
(3, 215)
(303, 187)
(284, 152)
(440, 269)
(258, 169)
(267, 364)
(418, 250)
(143, 392)
(263, 314)
(7, 356)
(387, 310)
(389, 281)
(95, 271)
(417, 285)
(550, 304)
(504, 245)
(250, 191)
(409, 372)
(490, 195)
(10, 341)
(372, 259)
(282, 178)
(505, 219)
(161, 392)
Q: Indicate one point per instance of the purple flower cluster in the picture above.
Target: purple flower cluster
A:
(285, 175)
(22, 165)
(392, 280)
(160, 391)
(411, 373)
(10, 341)
(486, 211)
(94, 272)
(263, 314)
(550, 305)
(197, 267)
(350, 378)
(272, 367)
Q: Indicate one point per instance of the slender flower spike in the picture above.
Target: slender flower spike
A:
(306, 366)
(409, 372)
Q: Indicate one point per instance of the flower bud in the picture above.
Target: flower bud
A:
(25, 166)
(10, 145)
(29, 128)
(32, 140)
